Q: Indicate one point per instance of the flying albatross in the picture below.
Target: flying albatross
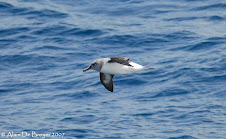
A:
(108, 67)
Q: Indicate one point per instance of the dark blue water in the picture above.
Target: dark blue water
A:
(45, 45)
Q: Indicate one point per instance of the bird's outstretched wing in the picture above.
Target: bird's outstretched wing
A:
(120, 60)
(106, 80)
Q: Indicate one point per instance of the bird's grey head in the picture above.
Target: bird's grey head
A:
(95, 65)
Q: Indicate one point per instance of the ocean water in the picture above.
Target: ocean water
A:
(45, 45)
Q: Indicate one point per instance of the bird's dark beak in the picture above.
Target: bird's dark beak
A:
(88, 68)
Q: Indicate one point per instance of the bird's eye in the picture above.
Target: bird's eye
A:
(94, 64)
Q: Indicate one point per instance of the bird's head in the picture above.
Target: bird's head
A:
(95, 65)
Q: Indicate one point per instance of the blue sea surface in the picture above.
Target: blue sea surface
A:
(45, 45)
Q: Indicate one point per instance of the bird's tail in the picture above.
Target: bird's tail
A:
(147, 68)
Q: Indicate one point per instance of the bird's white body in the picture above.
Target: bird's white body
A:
(109, 67)
(116, 68)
